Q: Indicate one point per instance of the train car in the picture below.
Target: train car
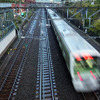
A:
(82, 59)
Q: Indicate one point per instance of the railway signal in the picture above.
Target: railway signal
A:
(22, 14)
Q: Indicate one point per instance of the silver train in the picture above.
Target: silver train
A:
(82, 59)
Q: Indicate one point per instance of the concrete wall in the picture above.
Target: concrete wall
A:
(6, 42)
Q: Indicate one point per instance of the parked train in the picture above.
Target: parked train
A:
(82, 59)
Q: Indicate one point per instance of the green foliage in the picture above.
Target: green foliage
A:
(24, 14)
(97, 24)
(30, 14)
(68, 3)
(86, 3)
(18, 20)
(98, 1)
(16, 25)
(96, 29)
(7, 1)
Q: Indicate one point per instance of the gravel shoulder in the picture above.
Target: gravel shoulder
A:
(27, 86)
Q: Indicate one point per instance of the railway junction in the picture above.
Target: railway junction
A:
(32, 66)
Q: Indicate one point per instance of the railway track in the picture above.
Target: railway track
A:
(9, 84)
(46, 85)
(91, 96)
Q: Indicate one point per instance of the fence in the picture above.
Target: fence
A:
(6, 31)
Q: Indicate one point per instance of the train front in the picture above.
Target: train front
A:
(86, 73)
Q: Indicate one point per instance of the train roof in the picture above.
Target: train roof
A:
(53, 14)
(74, 41)
(78, 46)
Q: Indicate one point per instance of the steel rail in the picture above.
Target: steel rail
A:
(46, 86)
(19, 69)
(90, 96)
(4, 82)
(32, 28)
(12, 64)
(10, 68)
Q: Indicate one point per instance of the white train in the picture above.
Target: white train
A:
(82, 59)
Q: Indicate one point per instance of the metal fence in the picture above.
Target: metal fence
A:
(6, 31)
(6, 23)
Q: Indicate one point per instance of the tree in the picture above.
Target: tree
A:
(97, 24)
(98, 1)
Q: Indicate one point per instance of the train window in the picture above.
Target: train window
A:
(86, 65)
(98, 63)
(54, 14)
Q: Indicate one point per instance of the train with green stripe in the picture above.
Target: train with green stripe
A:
(82, 59)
